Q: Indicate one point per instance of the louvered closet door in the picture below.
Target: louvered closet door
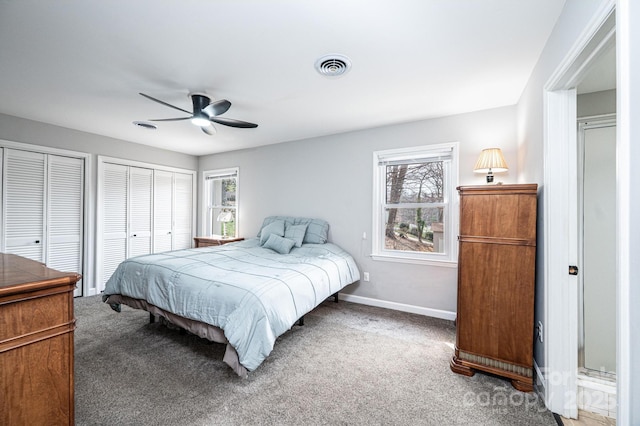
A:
(65, 206)
(140, 197)
(183, 211)
(23, 209)
(115, 188)
(162, 211)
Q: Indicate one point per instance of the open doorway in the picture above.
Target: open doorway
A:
(563, 230)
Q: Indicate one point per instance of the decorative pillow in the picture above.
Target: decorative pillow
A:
(317, 229)
(279, 244)
(276, 227)
(295, 233)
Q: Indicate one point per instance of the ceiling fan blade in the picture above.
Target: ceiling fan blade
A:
(165, 104)
(170, 119)
(217, 107)
(233, 123)
(210, 130)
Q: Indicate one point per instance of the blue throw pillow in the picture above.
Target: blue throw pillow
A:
(317, 229)
(279, 244)
(295, 233)
(276, 227)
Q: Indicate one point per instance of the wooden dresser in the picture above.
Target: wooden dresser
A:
(214, 240)
(36, 343)
(496, 282)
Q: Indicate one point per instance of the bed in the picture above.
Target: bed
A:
(244, 294)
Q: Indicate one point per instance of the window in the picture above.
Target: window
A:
(415, 219)
(221, 195)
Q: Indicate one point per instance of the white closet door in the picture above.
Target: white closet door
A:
(162, 211)
(115, 187)
(23, 209)
(140, 202)
(183, 211)
(65, 206)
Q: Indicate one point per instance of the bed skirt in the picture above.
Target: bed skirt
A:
(200, 329)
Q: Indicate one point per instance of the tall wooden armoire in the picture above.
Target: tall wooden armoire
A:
(496, 280)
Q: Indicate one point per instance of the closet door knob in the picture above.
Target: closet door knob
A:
(37, 241)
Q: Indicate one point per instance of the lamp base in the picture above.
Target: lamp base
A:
(489, 178)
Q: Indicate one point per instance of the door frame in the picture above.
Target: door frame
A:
(560, 212)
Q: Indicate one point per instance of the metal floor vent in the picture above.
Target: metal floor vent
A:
(333, 65)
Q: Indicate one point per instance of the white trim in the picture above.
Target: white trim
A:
(560, 214)
(435, 313)
(627, 173)
(143, 164)
(450, 256)
(541, 381)
(415, 261)
(205, 197)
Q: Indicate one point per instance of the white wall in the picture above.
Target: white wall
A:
(331, 178)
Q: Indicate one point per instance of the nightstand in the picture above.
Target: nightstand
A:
(215, 240)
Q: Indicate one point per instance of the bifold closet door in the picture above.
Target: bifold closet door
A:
(115, 189)
(24, 203)
(65, 207)
(127, 193)
(43, 209)
(162, 211)
(172, 211)
(140, 219)
(183, 211)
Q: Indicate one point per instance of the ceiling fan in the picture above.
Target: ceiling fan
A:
(205, 113)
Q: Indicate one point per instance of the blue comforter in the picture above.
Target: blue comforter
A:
(252, 293)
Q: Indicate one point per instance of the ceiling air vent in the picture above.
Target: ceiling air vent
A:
(145, 125)
(333, 65)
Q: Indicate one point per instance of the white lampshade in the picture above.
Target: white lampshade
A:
(225, 216)
(491, 160)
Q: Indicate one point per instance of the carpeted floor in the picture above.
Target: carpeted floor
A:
(349, 364)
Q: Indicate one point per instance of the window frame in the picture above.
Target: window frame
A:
(450, 255)
(208, 207)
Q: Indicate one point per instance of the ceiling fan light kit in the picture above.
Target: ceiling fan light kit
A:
(205, 112)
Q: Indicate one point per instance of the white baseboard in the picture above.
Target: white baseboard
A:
(540, 383)
(436, 313)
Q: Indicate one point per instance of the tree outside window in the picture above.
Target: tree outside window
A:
(414, 199)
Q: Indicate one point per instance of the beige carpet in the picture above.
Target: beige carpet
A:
(348, 365)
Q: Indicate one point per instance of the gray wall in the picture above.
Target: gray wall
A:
(331, 178)
(32, 132)
(597, 103)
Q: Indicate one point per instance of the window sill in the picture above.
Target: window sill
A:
(415, 261)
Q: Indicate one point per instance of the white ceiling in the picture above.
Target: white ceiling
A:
(81, 63)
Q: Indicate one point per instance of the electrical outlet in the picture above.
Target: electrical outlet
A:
(365, 276)
(540, 330)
